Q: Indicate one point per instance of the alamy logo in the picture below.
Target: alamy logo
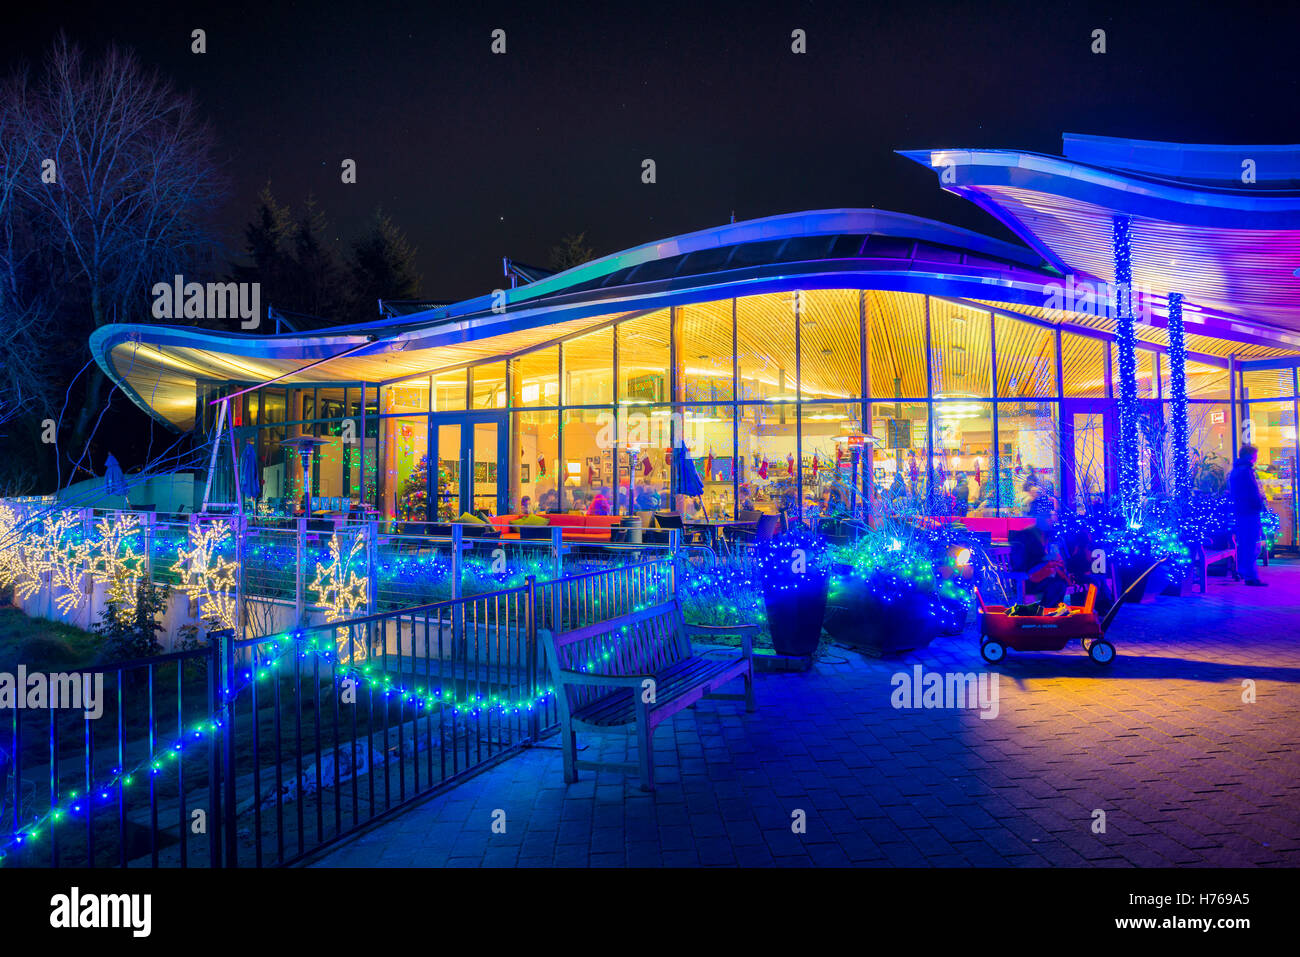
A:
(1109, 300)
(74, 910)
(179, 299)
(956, 690)
(58, 690)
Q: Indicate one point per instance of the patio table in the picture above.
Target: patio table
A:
(713, 529)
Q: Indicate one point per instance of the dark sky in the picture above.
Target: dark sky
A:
(478, 156)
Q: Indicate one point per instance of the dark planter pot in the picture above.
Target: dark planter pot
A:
(1127, 574)
(905, 622)
(794, 617)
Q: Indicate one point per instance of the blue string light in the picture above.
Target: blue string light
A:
(1178, 398)
(1126, 340)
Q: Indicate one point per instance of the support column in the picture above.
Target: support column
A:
(1181, 477)
(1130, 491)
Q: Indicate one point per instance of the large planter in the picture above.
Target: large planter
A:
(1127, 574)
(884, 620)
(794, 615)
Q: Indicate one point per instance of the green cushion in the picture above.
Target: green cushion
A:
(531, 520)
(469, 519)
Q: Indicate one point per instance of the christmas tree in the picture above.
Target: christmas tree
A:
(412, 497)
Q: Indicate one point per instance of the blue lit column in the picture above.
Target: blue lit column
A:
(1178, 398)
(1126, 337)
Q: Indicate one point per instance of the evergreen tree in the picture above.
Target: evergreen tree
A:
(382, 267)
(571, 251)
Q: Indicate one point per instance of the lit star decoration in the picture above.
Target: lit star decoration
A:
(115, 563)
(343, 592)
(62, 550)
(206, 577)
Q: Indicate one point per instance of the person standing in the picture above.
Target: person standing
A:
(1247, 504)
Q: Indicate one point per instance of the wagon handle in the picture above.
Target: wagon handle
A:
(1110, 615)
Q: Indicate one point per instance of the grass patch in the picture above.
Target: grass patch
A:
(44, 645)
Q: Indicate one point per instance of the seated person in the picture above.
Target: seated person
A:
(1047, 578)
(526, 506)
(599, 503)
(1079, 563)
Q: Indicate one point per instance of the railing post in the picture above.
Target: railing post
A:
(215, 743)
(228, 743)
(534, 717)
(372, 567)
(299, 589)
(457, 611)
(240, 522)
(674, 568)
(557, 553)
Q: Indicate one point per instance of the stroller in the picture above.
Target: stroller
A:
(1047, 632)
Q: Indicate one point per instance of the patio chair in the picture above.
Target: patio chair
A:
(764, 530)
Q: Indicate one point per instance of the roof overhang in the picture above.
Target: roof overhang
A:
(1232, 248)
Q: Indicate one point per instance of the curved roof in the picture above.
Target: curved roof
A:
(158, 366)
(1220, 224)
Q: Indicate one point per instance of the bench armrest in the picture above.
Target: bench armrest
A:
(746, 633)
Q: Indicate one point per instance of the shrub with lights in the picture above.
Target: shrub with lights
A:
(794, 572)
(728, 593)
(898, 586)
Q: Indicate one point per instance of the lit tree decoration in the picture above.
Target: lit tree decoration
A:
(1178, 398)
(115, 563)
(343, 592)
(1126, 341)
(206, 577)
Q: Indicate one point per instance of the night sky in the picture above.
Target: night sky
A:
(477, 155)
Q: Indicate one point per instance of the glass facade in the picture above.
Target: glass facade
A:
(758, 404)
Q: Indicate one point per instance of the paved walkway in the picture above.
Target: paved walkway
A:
(1185, 771)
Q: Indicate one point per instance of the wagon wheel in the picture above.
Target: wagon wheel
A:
(1101, 651)
(992, 650)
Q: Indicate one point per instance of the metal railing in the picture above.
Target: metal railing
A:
(281, 745)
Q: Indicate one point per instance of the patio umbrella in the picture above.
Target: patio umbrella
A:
(250, 476)
(689, 482)
(114, 480)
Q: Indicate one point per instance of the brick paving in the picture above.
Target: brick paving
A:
(1186, 772)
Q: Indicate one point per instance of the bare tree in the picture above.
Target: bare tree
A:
(118, 167)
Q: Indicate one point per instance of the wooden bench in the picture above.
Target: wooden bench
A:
(638, 669)
(1219, 548)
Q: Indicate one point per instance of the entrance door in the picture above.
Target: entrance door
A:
(470, 451)
(1087, 451)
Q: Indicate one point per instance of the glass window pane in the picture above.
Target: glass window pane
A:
(589, 368)
(830, 340)
(489, 386)
(1083, 362)
(449, 391)
(1267, 383)
(589, 461)
(537, 474)
(1028, 435)
(406, 468)
(1209, 440)
(706, 351)
(1204, 381)
(1026, 358)
(1274, 435)
(708, 433)
(896, 326)
(1146, 371)
(412, 396)
(537, 378)
(900, 442)
(828, 455)
(768, 452)
(765, 347)
(959, 350)
(963, 459)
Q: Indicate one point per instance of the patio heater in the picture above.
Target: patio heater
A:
(304, 445)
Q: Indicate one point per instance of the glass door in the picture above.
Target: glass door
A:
(470, 450)
(1087, 443)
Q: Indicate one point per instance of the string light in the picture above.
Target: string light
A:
(1126, 342)
(1178, 398)
(205, 577)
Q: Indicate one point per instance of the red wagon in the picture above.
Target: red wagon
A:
(1000, 631)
